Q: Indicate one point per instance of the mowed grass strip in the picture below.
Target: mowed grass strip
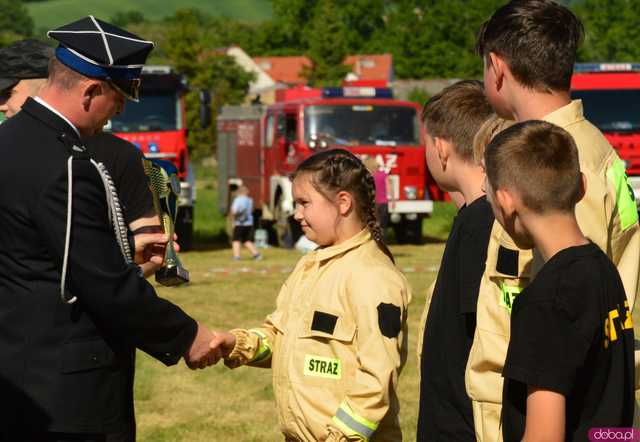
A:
(218, 404)
(54, 13)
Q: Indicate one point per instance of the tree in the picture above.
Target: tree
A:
(15, 21)
(327, 46)
(184, 45)
(432, 38)
(612, 32)
(362, 18)
(126, 18)
(292, 17)
(209, 70)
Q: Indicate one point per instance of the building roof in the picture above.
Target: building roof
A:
(286, 70)
(371, 67)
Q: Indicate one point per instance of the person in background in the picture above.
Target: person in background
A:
(23, 71)
(381, 179)
(242, 213)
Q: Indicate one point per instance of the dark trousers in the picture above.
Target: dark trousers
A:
(382, 212)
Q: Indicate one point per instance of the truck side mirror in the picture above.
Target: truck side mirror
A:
(205, 109)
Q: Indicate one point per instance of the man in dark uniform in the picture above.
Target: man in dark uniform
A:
(73, 305)
(23, 71)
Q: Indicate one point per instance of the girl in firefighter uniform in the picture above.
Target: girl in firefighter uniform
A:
(337, 340)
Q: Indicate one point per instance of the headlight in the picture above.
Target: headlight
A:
(410, 192)
(312, 144)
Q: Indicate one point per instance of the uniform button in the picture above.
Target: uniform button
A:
(94, 358)
(167, 354)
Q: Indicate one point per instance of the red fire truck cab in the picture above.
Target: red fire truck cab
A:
(157, 126)
(610, 93)
(260, 146)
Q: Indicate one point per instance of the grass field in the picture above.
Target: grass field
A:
(52, 13)
(217, 404)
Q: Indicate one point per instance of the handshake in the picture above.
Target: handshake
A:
(209, 347)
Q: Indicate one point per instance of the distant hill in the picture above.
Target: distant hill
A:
(51, 13)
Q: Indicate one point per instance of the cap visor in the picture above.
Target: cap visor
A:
(7, 83)
(129, 88)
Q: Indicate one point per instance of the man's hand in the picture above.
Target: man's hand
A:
(149, 251)
(201, 355)
(223, 342)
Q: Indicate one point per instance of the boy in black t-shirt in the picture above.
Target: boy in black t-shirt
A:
(569, 366)
(452, 119)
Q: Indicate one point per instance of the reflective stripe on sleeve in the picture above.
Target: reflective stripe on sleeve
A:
(351, 424)
(625, 199)
(508, 294)
(264, 351)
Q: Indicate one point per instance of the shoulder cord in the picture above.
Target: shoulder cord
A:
(115, 217)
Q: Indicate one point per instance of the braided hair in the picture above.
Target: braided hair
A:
(338, 170)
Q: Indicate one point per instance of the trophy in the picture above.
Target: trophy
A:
(165, 188)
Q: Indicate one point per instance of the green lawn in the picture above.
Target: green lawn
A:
(52, 13)
(217, 404)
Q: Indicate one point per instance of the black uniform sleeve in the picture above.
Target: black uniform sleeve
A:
(120, 301)
(133, 186)
(124, 163)
(546, 347)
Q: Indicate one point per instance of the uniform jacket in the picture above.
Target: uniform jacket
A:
(508, 270)
(607, 215)
(336, 343)
(68, 367)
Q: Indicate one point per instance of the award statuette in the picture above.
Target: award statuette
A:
(165, 188)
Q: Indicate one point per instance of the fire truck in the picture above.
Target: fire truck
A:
(610, 93)
(157, 126)
(260, 146)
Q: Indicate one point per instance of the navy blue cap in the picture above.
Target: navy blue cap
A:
(100, 50)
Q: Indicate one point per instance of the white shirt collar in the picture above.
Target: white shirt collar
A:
(48, 106)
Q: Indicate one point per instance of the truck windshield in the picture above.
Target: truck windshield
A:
(353, 125)
(154, 112)
(611, 110)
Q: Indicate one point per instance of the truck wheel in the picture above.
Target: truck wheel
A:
(288, 230)
(184, 227)
(413, 230)
(408, 231)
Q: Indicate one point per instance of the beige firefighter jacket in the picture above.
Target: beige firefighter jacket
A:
(336, 342)
(607, 215)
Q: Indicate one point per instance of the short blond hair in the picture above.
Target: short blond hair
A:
(489, 129)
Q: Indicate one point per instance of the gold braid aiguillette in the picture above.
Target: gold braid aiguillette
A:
(165, 189)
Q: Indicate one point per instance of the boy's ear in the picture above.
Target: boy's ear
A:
(345, 203)
(583, 186)
(443, 147)
(506, 202)
(499, 67)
